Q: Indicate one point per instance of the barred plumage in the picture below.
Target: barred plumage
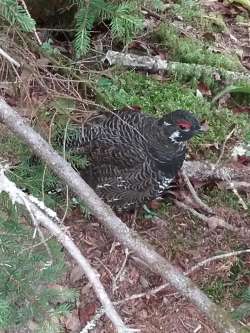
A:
(133, 156)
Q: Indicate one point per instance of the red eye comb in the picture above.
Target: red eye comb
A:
(184, 124)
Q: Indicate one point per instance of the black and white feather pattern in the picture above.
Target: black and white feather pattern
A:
(133, 157)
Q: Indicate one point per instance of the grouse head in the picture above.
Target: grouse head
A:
(182, 125)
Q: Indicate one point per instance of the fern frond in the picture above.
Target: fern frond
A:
(126, 22)
(16, 14)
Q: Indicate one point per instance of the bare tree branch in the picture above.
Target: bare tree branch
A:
(205, 171)
(40, 214)
(104, 213)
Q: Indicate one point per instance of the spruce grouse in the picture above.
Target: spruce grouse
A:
(133, 156)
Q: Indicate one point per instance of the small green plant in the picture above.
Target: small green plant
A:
(49, 49)
(28, 275)
(243, 310)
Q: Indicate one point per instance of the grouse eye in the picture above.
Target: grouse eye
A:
(184, 125)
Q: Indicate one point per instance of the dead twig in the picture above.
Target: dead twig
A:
(213, 221)
(231, 184)
(118, 275)
(28, 13)
(235, 191)
(195, 195)
(223, 148)
(9, 58)
(214, 258)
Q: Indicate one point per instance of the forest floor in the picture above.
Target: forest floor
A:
(210, 34)
(179, 236)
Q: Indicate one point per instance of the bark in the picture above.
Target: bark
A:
(104, 213)
(205, 171)
(156, 64)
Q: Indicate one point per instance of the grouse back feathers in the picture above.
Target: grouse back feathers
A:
(133, 156)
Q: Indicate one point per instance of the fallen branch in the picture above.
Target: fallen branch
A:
(240, 185)
(41, 215)
(104, 213)
(205, 171)
(213, 221)
(156, 64)
(195, 195)
(214, 258)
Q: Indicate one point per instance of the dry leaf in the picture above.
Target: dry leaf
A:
(72, 322)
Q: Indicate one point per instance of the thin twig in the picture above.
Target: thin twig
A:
(223, 148)
(235, 191)
(213, 221)
(116, 278)
(194, 194)
(9, 58)
(218, 257)
(28, 13)
(231, 184)
(36, 225)
(64, 156)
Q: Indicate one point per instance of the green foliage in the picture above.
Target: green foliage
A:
(125, 21)
(28, 172)
(231, 285)
(243, 310)
(189, 10)
(158, 98)
(15, 14)
(187, 50)
(25, 275)
(48, 48)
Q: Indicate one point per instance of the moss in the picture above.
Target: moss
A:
(187, 50)
(157, 98)
(224, 198)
